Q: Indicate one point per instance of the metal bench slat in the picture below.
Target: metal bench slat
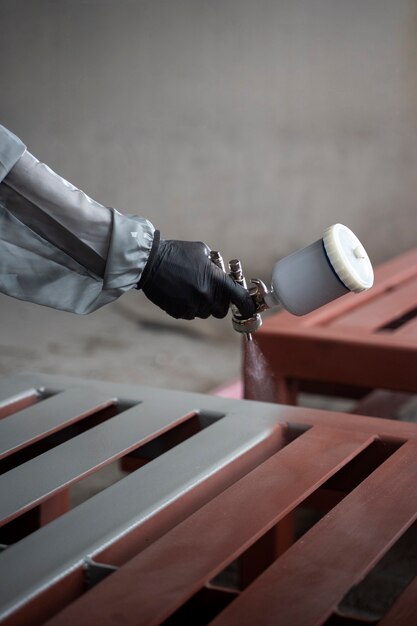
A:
(48, 416)
(154, 584)
(404, 610)
(305, 585)
(379, 311)
(332, 355)
(408, 330)
(137, 509)
(17, 392)
(33, 482)
(16, 385)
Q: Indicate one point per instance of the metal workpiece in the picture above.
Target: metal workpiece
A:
(146, 546)
(212, 541)
(95, 572)
(84, 453)
(16, 394)
(49, 416)
(124, 518)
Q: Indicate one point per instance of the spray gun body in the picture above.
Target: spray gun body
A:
(242, 325)
(307, 279)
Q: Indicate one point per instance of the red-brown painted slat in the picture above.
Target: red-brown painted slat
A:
(155, 583)
(380, 310)
(344, 342)
(306, 584)
(333, 355)
(408, 330)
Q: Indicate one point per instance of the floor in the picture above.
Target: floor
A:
(129, 341)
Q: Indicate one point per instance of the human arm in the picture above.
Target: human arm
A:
(58, 247)
(61, 248)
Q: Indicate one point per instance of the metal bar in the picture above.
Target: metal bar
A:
(18, 402)
(17, 385)
(305, 585)
(123, 519)
(33, 482)
(16, 392)
(54, 507)
(372, 315)
(280, 414)
(350, 358)
(50, 415)
(277, 413)
(150, 587)
(409, 330)
(404, 610)
(96, 572)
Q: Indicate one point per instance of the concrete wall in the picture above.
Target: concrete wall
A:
(249, 124)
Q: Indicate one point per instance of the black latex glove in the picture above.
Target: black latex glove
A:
(181, 279)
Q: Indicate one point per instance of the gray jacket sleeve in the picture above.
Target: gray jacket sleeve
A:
(58, 247)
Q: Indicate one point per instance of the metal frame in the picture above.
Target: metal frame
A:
(148, 545)
(351, 345)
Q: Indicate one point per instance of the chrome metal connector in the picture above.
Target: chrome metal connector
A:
(258, 293)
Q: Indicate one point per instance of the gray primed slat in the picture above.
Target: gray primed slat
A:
(43, 556)
(17, 385)
(41, 419)
(163, 577)
(34, 481)
(14, 389)
(294, 414)
(19, 396)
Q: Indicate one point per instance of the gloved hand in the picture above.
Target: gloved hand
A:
(181, 279)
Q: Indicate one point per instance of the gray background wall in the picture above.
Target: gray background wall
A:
(251, 125)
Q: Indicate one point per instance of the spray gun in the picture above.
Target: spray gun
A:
(329, 268)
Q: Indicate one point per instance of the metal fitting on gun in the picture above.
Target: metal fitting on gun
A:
(241, 325)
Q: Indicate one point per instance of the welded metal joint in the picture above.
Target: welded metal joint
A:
(95, 572)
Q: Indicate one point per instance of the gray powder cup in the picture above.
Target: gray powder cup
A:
(323, 271)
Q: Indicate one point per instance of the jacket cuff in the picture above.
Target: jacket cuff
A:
(151, 260)
(11, 149)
